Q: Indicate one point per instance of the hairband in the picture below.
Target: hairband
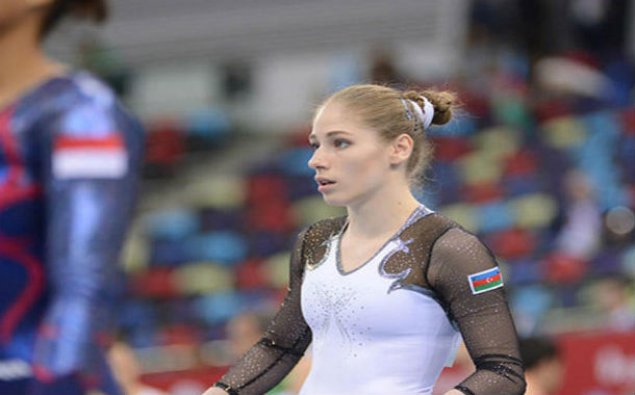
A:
(425, 114)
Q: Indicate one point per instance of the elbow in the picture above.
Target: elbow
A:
(517, 378)
(522, 386)
(511, 373)
(523, 389)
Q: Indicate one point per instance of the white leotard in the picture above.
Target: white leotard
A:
(369, 338)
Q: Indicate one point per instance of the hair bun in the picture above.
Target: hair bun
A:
(443, 103)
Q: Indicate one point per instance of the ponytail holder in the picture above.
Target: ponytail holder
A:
(425, 114)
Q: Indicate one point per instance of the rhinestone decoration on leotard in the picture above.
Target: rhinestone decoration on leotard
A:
(337, 308)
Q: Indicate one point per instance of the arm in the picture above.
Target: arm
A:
(90, 175)
(482, 315)
(279, 350)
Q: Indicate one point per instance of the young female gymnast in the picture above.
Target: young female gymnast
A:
(385, 293)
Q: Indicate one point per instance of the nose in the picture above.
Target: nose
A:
(317, 160)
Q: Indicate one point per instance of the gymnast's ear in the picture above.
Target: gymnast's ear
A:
(401, 149)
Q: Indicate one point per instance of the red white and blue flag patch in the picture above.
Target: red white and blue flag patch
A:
(90, 157)
(486, 280)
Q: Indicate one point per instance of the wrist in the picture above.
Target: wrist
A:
(215, 391)
(459, 390)
(221, 388)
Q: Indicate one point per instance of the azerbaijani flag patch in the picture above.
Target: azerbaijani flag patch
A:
(486, 280)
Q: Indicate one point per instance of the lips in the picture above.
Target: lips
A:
(324, 183)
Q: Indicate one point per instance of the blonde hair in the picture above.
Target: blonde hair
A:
(389, 111)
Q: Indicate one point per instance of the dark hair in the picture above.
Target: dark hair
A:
(535, 350)
(383, 109)
(95, 10)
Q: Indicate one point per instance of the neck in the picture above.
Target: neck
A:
(26, 64)
(383, 212)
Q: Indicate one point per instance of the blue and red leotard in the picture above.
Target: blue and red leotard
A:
(69, 163)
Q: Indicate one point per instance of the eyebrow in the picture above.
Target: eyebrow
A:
(329, 134)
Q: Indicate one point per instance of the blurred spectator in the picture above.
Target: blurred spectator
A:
(581, 233)
(612, 298)
(544, 369)
(579, 238)
(599, 25)
(127, 371)
(383, 69)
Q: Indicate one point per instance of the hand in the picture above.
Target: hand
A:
(215, 391)
(451, 392)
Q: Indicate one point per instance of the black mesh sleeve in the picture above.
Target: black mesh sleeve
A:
(483, 318)
(282, 346)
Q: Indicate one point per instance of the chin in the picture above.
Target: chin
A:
(334, 201)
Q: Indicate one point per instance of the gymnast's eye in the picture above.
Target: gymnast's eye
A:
(341, 143)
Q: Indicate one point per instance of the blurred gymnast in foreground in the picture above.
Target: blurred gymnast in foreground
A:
(69, 162)
(384, 293)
